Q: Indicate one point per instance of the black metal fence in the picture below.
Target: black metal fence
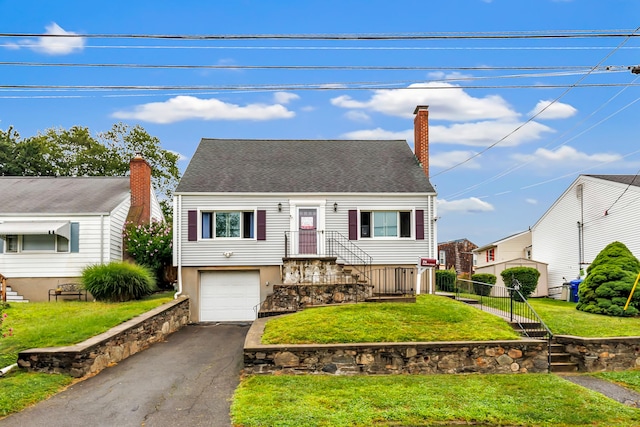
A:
(506, 302)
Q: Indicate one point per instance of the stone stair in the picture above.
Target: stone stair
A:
(12, 296)
(560, 360)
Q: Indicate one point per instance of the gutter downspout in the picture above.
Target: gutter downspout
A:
(177, 237)
(101, 239)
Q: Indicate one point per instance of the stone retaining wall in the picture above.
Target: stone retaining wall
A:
(120, 342)
(487, 357)
(602, 354)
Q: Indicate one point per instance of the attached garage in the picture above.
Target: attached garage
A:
(229, 296)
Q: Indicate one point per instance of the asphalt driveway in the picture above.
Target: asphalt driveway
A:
(188, 380)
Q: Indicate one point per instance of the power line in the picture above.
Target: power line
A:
(313, 67)
(561, 34)
(530, 119)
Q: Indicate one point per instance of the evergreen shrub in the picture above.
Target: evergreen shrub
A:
(446, 280)
(487, 279)
(609, 281)
(526, 276)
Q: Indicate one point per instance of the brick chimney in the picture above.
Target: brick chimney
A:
(140, 183)
(421, 136)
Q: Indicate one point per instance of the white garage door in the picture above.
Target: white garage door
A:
(229, 295)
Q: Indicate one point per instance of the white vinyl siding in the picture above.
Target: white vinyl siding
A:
(114, 224)
(555, 237)
(52, 264)
(250, 252)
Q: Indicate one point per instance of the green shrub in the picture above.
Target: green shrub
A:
(608, 284)
(488, 279)
(118, 281)
(446, 280)
(526, 276)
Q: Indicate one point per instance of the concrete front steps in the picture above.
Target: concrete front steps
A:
(12, 296)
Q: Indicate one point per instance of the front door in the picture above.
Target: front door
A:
(308, 231)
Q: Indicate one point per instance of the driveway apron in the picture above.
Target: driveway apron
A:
(188, 380)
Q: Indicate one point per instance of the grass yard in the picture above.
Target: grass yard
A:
(431, 318)
(563, 319)
(47, 324)
(405, 400)
(51, 324)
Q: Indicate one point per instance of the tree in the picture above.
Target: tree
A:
(74, 152)
(608, 284)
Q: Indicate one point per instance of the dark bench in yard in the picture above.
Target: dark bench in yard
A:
(68, 290)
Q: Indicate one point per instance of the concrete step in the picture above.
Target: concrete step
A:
(560, 357)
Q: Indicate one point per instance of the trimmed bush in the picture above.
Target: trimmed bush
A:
(488, 279)
(446, 280)
(118, 281)
(608, 284)
(527, 276)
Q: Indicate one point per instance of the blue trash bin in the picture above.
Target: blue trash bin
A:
(575, 285)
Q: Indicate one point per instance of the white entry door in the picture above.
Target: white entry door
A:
(229, 295)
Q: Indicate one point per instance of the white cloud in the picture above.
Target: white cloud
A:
(531, 201)
(189, 107)
(452, 104)
(181, 157)
(357, 116)
(284, 97)
(563, 156)
(469, 205)
(54, 45)
(378, 133)
(485, 133)
(557, 110)
(451, 158)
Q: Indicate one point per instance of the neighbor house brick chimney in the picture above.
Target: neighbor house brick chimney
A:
(140, 183)
(421, 136)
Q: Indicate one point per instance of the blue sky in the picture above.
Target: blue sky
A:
(480, 93)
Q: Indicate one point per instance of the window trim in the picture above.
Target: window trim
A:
(19, 238)
(399, 211)
(242, 212)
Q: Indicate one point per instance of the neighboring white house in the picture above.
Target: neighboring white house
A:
(511, 251)
(244, 205)
(52, 227)
(594, 211)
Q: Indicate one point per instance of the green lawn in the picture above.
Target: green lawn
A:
(50, 324)
(407, 400)
(47, 324)
(563, 319)
(431, 318)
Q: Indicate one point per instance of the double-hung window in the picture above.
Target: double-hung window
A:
(385, 224)
(228, 224)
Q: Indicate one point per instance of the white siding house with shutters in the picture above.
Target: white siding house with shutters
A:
(53, 227)
(244, 205)
(594, 211)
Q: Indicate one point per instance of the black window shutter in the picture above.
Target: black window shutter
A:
(192, 226)
(419, 224)
(74, 237)
(262, 226)
(353, 224)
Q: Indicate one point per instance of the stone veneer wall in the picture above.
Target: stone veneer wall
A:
(602, 354)
(120, 342)
(487, 357)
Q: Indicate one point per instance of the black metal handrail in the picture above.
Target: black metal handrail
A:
(329, 244)
(506, 302)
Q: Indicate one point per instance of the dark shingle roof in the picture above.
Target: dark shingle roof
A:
(303, 166)
(66, 195)
(622, 179)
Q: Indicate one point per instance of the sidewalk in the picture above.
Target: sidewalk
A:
(607, 388)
